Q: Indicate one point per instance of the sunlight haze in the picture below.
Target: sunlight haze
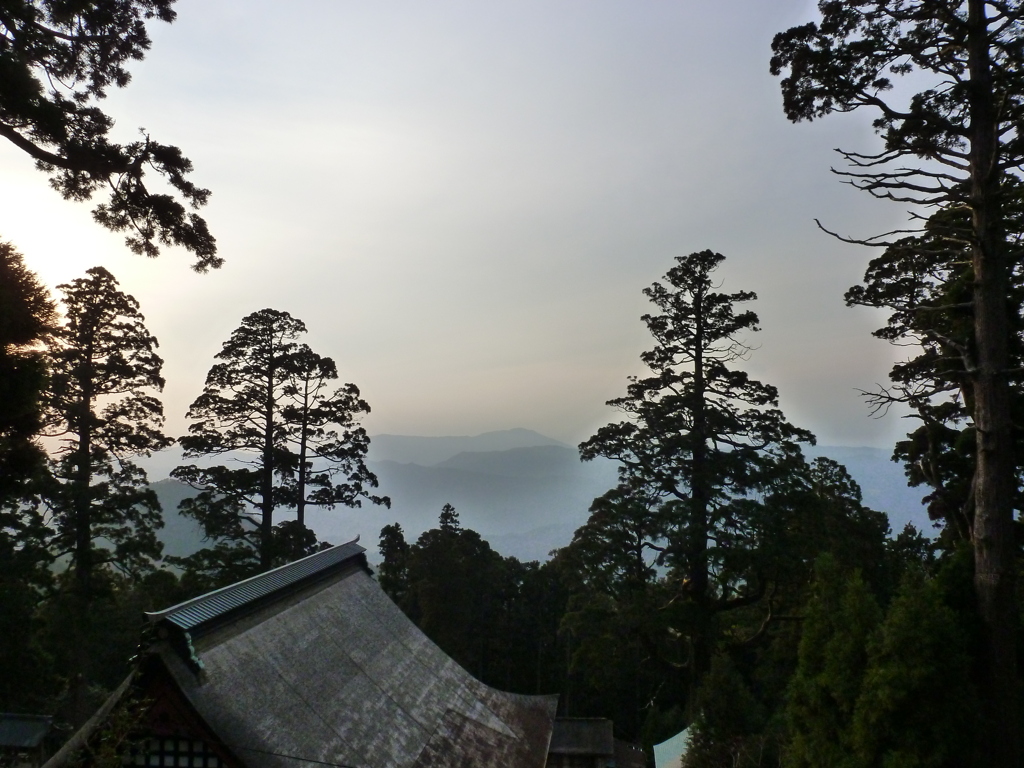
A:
(463, 202)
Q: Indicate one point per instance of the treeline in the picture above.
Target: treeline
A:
(80, 559)
(852, 655)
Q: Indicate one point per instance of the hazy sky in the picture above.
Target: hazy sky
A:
(463, 201)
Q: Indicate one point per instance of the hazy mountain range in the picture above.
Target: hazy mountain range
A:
(524, 492)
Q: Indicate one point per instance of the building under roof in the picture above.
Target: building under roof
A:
(310, 665)
(588, 742)
(23, 738)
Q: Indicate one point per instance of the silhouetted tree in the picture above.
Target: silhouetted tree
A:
(393, 573)
(325, 436)
(951, 144)
(454, 588)
(496, 616)
(925, 281)
(699, 439)
(57, 60)
(263, 402)
(27, 318)
(104, 371)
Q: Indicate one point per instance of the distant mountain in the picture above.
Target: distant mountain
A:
(180, 535)
(535, 544)
(525, 499)
(497, 492)
(538, 461)
(427, 451)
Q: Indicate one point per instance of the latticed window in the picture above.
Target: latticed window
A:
(172, 753)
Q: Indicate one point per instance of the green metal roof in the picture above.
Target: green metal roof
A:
(195, 614)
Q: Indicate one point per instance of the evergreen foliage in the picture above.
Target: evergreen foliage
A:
(289, 441)
(724, 584)
(57, 60)
(885, 687)
(925, 281)
(496, 616)
(917, 704)
(731, 728)
(953, 146)
(104, 371)
(701, 438)
(27, 319)
(65, 637)
(841, 615)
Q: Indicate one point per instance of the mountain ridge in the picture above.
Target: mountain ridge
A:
(428, 451)
(526, 499)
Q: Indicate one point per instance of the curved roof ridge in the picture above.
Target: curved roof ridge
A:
(206, 608)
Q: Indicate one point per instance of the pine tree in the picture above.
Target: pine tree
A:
(700, 438)
(264, 409)
(102, 407)
(57, 61)
(325, 436)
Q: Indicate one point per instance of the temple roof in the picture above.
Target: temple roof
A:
(312, 664)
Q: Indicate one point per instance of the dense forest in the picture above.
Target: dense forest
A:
(725, 584)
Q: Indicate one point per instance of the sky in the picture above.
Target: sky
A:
(463, 202)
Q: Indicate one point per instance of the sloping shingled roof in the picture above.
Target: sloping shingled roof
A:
(327, 669)
(23, 731)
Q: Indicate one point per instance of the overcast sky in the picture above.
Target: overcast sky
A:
(464, 200)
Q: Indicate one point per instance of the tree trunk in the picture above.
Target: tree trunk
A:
(700, 582)
(83, 561)
(995, 479)
(300, 499)
(81, 503)
(267, 475)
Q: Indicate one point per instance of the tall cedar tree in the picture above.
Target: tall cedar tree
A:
(27, 318)
(700, 437)
(622, 605)
(265, 405)
(57, 60)
(104, 371)
(962, 131)
(925, 280)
